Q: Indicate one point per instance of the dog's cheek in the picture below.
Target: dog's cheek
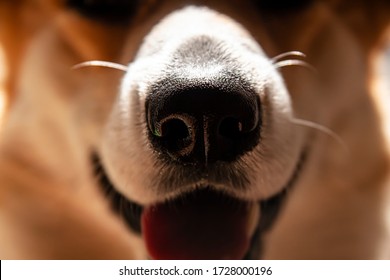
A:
(124, 149)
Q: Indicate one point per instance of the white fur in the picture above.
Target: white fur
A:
(127, 156)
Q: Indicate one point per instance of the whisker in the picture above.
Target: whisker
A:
(285, 54)
(100, 63)
(322, 129)
(294, 62)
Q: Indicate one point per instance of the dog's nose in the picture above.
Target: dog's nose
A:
(203, 123)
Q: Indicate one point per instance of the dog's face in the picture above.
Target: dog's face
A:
(199, 128)
(201, 107)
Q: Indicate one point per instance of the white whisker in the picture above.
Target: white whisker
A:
(100, 63)
(322, 129)
(294, 62)
(285, 54)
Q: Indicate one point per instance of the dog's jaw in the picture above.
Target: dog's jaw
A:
(144, 176)
(171, 229)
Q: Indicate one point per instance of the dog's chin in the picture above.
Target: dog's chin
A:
(204, 223)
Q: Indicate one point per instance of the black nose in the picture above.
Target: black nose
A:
(203, 123)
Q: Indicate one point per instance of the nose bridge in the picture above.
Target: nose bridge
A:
(204, 57)
(194, 22)
(200, 50)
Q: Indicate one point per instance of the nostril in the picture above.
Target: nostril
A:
(230, 127)
(174, 133)
(235, 136)
(175, 129)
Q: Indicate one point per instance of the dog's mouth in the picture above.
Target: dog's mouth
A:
(201, 224)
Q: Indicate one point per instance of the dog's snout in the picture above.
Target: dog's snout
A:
(203, 123)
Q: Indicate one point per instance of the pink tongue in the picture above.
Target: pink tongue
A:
(203, 225)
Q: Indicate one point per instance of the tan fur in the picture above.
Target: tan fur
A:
(49, 203)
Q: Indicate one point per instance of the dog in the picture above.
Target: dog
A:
(172, 129)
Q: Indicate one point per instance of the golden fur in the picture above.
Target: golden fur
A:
(50, 206)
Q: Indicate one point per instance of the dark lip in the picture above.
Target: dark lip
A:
(125, 208)
(131, 212)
